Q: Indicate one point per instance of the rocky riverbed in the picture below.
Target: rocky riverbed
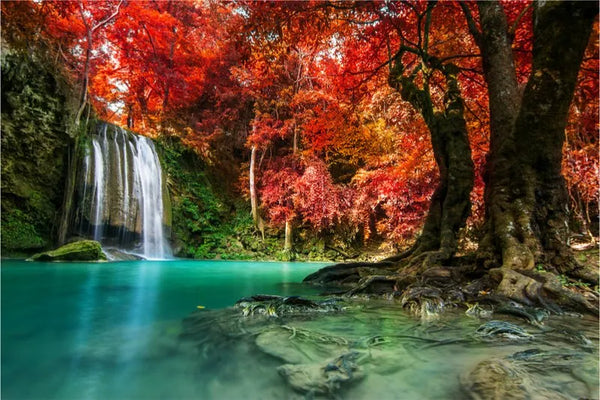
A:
(360, 348)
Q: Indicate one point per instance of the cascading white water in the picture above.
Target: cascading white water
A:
(99, 184)
(149, 176)
(121, 202)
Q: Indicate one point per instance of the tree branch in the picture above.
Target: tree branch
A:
(428, 13)
(513, 28)
(442, 60)
(471, 22)
(82, 13)
(151, 40)
(109, 18)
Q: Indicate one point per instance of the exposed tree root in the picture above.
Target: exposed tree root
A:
(542, 289)
(426, 287)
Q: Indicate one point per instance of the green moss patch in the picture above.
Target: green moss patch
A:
(83, 250)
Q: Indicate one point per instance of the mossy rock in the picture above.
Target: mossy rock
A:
(35, 141)
(83, 250)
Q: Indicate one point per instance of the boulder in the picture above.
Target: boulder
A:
(83, 250)
(324, 378)
(533, 374)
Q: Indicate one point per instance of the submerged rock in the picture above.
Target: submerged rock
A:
(83, 250)
(296, 345)
(527, 375)
(374, 347)
(495, 379)
(313, 361)
(324, 378)
(118, 255)
(533, 315)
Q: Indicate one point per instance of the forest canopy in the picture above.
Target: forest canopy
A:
(329, 111)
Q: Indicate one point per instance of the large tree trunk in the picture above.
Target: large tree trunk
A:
(526, 197)
(450, 203)
(504, 102)
(526, 202)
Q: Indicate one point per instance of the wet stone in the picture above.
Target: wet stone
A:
(297, 346)
(325, 377)
(525, 375)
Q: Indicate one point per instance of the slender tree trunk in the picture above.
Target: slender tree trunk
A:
(85, 78)
(258, 222)
(130, 119)
(526, 198)
(288, 236)
(89, 32)
(167, 86)
(289, 224)
(253, 202)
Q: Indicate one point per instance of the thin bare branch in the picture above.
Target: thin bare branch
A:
(442, 60)
(513, 28)
(107, 19)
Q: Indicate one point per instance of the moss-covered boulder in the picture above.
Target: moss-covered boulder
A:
(83, 250)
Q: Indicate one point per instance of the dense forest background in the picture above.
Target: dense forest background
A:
(278, 125)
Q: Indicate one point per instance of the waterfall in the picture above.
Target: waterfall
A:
(99, 185)
(121, 194)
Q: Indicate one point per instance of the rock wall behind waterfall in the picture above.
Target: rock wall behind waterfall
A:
(121, 199)
(35, 146)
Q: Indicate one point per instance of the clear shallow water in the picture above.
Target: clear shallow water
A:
(92, 330)
(112, 331)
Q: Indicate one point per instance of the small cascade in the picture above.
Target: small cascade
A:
(121, 194)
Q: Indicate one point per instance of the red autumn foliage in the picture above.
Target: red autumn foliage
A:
(306, 84)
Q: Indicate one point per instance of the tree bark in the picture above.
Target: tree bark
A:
(504, 102)
(450, 203)
(526, 199)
